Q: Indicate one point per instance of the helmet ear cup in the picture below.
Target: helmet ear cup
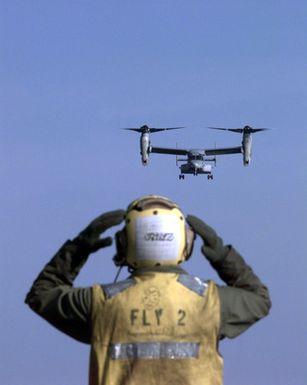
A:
(189, 241)
(121, 248)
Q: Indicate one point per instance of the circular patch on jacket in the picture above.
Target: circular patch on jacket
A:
(151, 297)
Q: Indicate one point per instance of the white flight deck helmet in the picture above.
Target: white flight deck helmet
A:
(155, 234)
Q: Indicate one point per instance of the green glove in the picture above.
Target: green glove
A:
(213, 247)
(89, 239)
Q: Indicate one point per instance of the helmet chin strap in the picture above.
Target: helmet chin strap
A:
(117, 274)
(130, 270)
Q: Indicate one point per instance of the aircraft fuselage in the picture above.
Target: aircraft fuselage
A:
(196, 167)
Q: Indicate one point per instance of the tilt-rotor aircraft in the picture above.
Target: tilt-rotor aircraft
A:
(196, 161)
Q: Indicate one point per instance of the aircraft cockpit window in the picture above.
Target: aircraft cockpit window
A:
(196, 157)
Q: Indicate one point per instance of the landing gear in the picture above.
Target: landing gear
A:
(181, 176)
(210, 176)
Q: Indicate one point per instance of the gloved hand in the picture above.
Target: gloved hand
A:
(89, 239)
(213, 247)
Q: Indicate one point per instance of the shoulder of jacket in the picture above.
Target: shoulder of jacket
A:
(193, 283)
(112, 289)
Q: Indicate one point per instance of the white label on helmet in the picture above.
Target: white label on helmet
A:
(157, 237)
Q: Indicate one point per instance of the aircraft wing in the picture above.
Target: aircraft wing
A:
(171, 151)
(224, 151)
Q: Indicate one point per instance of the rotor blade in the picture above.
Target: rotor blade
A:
(240, 130)
(132, 129)
(246, 129)
(148, 129)
(259, 129)
(164, 129)
(218, 128)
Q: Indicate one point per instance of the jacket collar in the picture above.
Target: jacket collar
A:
(159, 269)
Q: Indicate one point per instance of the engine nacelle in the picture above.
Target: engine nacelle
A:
(247, 148)
(145, 148)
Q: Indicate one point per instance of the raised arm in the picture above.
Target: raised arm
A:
(52, 295)
(245, 299)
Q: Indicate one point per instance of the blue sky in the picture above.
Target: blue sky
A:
(72, 73)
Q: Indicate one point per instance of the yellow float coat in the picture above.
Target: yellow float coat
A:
(158, 329)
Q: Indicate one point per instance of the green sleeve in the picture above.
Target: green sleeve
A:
(244, 300)
(53, 297)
